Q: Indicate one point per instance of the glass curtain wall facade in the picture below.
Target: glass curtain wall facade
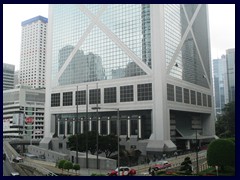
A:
(230, 55)
(82, 52)
(188, 48)
(220, 83)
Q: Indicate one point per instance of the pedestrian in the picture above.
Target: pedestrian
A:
(153, 173)
(176, 154)
(149, 170)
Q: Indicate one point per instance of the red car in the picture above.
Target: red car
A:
(123, 171)
(161, 165)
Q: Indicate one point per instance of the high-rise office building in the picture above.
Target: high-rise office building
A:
(220, 84)
(8, 76)
(230, 56)
(150, 61)
(33, 52)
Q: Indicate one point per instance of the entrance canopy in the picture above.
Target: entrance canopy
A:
(188, 134)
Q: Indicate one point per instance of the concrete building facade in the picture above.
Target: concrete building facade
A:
(23, 113)
(8, 76)
(33, 52)
(153, 63)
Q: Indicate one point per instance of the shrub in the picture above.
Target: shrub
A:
(61, 163)
(95, 174)
(231, 139)
(160, 173)
(221, 152)
(76, 167)
(67, 165)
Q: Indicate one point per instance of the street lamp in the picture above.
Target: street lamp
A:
(196, 148)
(196, 151)
(76, 123)
(118, 131)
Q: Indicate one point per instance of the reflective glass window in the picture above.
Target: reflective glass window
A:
(110, 95)
(204, 100)
(55, 99)
(199, 98)
(80, 97)
(170, 92)
(178, 94)
(67, 99)
(94, 96)
(126, 93)
(144, 92)
(123, 125)
(193, 97)
(186, 95)
(104, 127)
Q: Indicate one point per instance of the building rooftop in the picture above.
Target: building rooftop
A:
(29, 21)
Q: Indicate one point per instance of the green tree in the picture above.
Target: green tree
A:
(186, 165)
(61, 164)
(67, 165)
(108, 144)
(221, 152)
(76, 167)
(225, 125)
(82, 142)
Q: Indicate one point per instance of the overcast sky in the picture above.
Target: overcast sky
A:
(221, 20)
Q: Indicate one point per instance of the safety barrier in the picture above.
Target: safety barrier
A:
(41, 169)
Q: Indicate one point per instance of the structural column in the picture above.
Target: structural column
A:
(139, 127)
(90, 124)
(99, 126)
(188, 144)
(128, 127)
(108, 126)
(65, 127)
(81, 126)
(74, 122)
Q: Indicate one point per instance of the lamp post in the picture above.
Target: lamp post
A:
(196, 148)
(97, 128)
(197, 152)
(76, 123)
(118, 131)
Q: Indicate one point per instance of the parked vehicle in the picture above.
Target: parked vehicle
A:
(123, 171)
(18, 159)
(161, 165)
(15, 174)
(4, 156)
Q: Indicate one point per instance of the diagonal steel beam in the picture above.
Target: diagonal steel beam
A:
(116, 40)
(199, 54)
(80, 42)
(172, 62)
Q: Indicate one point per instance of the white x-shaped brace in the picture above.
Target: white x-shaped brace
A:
(189, 28)
(96, 21)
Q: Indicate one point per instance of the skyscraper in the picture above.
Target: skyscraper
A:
(150, 61)
(8, 76)
(33, 52)
(220, 83)
(230, 56)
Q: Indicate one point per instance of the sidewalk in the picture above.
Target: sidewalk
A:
(83, 171)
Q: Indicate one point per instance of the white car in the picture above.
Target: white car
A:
(15, 174)
(123, 171)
